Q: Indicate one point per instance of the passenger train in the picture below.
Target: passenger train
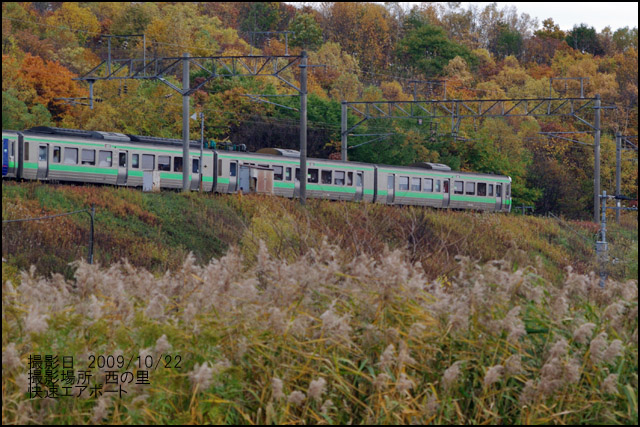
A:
(70, 155)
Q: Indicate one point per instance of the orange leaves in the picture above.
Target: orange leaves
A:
(46, 80)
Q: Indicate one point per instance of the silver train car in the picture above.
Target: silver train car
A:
(69, 155)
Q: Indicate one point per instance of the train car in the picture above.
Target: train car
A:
(437, 186)
(327, 179)
(55, 154)
(10, 161)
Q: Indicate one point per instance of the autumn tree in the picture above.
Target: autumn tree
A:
(363, 30)
(550, 30)
(340, 74)
(39, 82)
(78, 21)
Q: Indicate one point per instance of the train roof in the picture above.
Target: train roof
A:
(279, 152)
(107, 136)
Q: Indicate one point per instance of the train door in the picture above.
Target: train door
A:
(233, 176)
(391, 185)
(195, 173)
(359, 185)
(123, 169)
(296, 180)
(244, 179)
(43, 161)
(5, 157)
(445, 190)
(498, 197)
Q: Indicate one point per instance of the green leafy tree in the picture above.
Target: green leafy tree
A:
(307, 32)
(428, 50)
(584, 39)
(625, 38)
(507, 42)
(16, 115)
(498, 148)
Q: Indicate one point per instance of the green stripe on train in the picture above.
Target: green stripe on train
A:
(443, 176)
(83, 169)
(193, 152)
(310, 164)
(107, 171)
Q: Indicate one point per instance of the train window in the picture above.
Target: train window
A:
(164, 163)
(57, 153)
(148, 161)
(490, 190)
(470, 188)
(135, 161)
(437, 185)
(26, 150)
(507, 190)
(312, 175)
(339, 179)
(232, 168)
(122, 160)
(71, 156)
(177, 165)
(499, 190)
(277, 173)
(445, 187)
(104, 158)
(349, 178)
(297, 174)
(288, 174)
(88, 157)
(42, 152)
(403, 183)
(458, 187)
(195, 165)
(482, 189)
(415, 184)
(326, 177)
(359, 179)
(428, 185)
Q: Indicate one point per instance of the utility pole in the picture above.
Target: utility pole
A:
(201, 162)
(343, 134)
(596, 161)
(185, 123)
(303, 128)
(618, 169)
(602, 247)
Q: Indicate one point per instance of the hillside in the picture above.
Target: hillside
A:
(156, 231)
(358, 52)
(333, 313)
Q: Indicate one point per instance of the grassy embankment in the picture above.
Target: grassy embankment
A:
(345, 313)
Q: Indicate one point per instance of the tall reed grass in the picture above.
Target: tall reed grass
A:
(326, 337)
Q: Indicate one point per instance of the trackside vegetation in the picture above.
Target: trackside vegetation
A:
(259, 311)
